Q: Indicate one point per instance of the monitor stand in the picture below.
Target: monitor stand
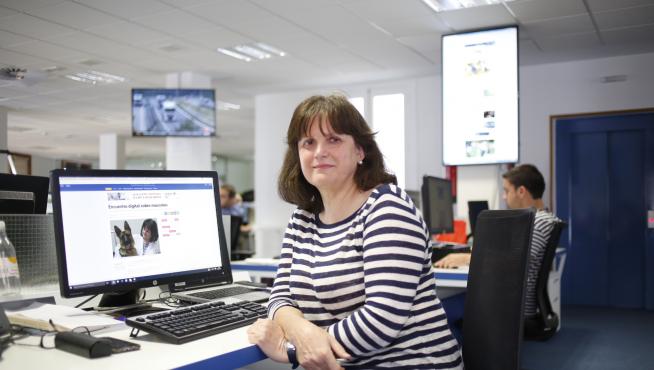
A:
(119, 299)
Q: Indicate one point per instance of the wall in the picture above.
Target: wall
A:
(545, 90)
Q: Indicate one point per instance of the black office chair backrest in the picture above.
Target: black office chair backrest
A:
(493, 313)
(544, 325)
(235, 231)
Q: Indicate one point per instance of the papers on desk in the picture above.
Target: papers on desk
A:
(64, 318)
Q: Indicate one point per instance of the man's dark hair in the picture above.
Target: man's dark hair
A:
(231, 190)
(344, 119)
(151, 225)
(527, 175)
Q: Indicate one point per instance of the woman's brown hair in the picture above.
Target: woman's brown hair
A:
(344, 119)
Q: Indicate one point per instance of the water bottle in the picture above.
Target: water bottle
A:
(9, 275)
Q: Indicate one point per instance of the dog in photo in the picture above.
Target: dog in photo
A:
(126, 241)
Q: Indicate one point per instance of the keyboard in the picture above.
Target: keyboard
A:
(186, 324)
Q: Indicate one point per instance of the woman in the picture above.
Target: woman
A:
(354, 281)
(150, 235)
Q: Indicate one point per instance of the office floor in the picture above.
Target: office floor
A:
(596, 338)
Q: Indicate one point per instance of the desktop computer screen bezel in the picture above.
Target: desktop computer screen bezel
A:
(428, 205)
(180, 279)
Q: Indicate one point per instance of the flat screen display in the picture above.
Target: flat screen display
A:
(480, 97)
(118, 230)
(173, 112)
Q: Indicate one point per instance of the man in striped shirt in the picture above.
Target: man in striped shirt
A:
(523, 187)
(355, 287)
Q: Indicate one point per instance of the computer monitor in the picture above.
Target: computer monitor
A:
(15, 201)
(474, 208)
(415, 197)
(173, 112)
(437, 204)
(99, 219)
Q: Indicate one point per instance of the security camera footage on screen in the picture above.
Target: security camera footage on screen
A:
(480, 97)
(173, 112)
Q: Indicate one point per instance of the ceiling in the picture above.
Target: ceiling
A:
(329, 43)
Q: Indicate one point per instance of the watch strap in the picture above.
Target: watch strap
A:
(291, 352)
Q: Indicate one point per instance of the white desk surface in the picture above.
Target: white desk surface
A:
(229, 350)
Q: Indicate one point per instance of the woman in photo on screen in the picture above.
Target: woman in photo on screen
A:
(150, 238)
(355, 281)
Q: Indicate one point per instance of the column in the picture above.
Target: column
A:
(112, 152)
(188, 153)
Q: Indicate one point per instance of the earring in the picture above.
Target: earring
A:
(360, 162)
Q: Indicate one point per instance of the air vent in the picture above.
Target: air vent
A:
(90, 62)
(41, 147)
(19, 129)
(171, 48)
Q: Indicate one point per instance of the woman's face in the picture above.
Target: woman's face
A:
(147, 235)
(328, 161)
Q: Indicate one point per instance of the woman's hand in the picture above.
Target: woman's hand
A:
(268, 335)
(453, 260)
(316, 348)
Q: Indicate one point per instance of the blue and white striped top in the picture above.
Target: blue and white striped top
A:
(368, 280)
(543, 226)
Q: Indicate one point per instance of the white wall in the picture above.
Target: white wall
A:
(545, 90)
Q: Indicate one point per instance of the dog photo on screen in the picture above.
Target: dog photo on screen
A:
(126, 244)
(135, 237)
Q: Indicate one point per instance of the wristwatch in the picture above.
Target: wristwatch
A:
(291, 352)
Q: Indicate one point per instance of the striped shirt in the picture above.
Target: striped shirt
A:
(368, 280)
(543, 225)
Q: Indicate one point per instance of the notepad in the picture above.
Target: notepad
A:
(64, 318)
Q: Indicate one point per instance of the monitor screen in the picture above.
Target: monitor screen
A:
(437, 204)
(118, 230)
(474, 208)
(480, 97)
(173, 112)
(23, 194)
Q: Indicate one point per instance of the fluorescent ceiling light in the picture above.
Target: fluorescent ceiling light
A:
(95, 77)
(270, 49)
(252, 51)
(445, 5)
(223, 105)
(256, 51)
(234, 54)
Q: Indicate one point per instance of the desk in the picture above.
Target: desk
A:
(229, 350)
(267, 268)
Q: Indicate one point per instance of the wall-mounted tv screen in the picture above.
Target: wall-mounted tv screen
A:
(480, 97)
(173, 112)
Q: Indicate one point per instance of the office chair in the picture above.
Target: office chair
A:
(544, 325)
(235, 234)
(493, 312)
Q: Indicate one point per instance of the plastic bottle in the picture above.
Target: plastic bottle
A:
(9, 275)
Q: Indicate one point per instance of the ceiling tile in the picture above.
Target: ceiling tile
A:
(6, 11)
(603, 5)
(175, 23)
(268, 29)
(429, 45)
(630, 35)
(629, 17)
(569, 42)
(30, 26)
(19, 59)
(559, 26)
(73, 15)
(479, 17)
(47, 50)
(128, 9)
(126, 32)
(399, 27)
(377, 10)
(533, 10)
(29, 5)
(9, 39)
(230, 12)
(215, 37)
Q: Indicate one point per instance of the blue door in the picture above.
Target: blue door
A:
(604, 188)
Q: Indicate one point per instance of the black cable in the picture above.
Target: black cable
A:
(79, 305)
